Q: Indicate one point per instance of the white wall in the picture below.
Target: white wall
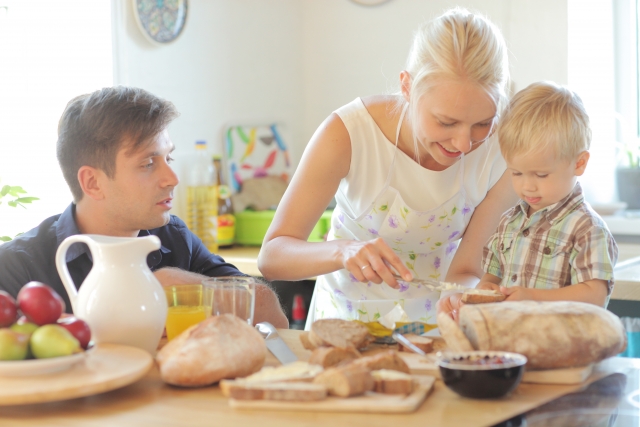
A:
(295, 61)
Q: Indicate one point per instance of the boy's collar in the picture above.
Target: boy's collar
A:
(558, 210)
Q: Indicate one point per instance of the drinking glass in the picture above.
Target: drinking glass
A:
(234, 295)
(187, 306)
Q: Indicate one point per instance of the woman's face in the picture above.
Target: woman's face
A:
(453, 118)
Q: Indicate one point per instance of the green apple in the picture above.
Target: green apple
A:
(53, 341)
(13, 345)
(27, 328)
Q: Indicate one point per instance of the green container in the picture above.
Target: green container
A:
(251, 226)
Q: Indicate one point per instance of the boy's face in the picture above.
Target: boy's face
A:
(540, 179)
(140, 194)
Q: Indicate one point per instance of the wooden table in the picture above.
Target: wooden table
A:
(150, 402)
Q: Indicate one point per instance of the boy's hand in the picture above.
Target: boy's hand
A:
(489, 286)
(516, 293)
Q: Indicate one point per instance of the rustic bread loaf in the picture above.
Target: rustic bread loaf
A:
(332, 356)
(338, 333)
(550, 334)
(453, 336)
(423, 343)
(388, 359)
(219, 347)
(392, 382)
(345, 381)
(482, 296)
(296, 392)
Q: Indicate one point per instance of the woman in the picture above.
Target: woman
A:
(418, 180)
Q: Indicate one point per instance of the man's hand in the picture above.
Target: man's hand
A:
(516, 293)
(450, 305)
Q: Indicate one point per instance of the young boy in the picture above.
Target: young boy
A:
(551, 246)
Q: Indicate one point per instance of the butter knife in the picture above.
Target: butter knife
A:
(275, 344)
(405, 342)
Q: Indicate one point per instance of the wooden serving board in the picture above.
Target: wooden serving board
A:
(427, 365)
(367, 403)
(106, 367)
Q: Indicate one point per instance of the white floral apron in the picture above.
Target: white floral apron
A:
(425, 241)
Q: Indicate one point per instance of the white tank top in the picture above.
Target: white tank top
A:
(422, 189)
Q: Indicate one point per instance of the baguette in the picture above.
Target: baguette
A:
(332, 356)
(338, 333)
(392, 382)
(345, 381)
(482, 296)
(296, 392)
(423, 343)
(388, 359)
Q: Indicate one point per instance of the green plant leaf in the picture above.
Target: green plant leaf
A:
(4, 190)
(5, 239)
(26, 199)
(15, 191)
(12, 203)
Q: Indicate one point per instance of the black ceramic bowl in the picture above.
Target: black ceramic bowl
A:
(481, 374)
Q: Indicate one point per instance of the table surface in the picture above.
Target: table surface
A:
(151, 402)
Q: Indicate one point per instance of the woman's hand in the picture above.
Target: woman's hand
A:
(370, 261)
(450, 305)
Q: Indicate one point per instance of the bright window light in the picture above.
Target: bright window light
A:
(50, 52)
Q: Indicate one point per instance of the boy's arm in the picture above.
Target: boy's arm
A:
(592, 291)
(489, 281)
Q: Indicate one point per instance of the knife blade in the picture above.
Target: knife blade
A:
(275, 344)
(401, 338)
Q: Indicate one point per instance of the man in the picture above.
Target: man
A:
(115, 153)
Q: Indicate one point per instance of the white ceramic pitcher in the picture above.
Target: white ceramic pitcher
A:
(120, 299)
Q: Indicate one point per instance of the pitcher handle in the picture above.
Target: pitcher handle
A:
(61, 264)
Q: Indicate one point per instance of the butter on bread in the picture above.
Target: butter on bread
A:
(218, 347)
(291, 372)
(392, 382)
(297, 392)
(482, 296)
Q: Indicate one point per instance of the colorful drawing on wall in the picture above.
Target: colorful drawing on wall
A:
(161, 21)
(254, 152)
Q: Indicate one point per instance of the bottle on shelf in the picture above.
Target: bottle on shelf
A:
(226, 218)
(298, 313)
(202, 200)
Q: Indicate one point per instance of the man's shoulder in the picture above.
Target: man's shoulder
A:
(39, 240)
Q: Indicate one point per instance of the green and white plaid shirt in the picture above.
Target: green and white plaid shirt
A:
(563, 244)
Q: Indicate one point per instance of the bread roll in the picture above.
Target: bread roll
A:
(338, 333)
(550, 334)
(345, 381)
(332, 356)
(219, 347)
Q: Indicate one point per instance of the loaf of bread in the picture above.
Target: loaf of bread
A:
(423, 343)
(332, 356)
(346, 381)
(550, 334)
(388, 359)
(392, 382)
(336, 333)
(453, 336)
(219, 347)
(482, 296)
(296, 392)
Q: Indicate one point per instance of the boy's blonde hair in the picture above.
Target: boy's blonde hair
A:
(544, 116)
(462, 45)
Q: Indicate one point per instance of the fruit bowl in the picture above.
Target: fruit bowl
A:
(481, 374)
(15, 368)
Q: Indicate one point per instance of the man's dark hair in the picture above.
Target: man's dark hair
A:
(94, 126)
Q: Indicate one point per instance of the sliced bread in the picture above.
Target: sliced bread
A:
(345, 381)
(392, 382)
(388, 359)
(482, 296)
(332, 356)
(423, 343)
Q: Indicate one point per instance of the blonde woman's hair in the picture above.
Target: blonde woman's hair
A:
(545, 117)
(458, 45)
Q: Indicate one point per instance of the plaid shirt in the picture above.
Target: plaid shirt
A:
(560, 245)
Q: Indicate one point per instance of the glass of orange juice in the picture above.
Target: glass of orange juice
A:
(187, 306)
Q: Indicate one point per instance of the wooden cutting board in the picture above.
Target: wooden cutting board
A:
(427, 365)
(105, 368)
(367, 403)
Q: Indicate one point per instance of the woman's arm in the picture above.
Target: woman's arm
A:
(466, 267)
(286, 254)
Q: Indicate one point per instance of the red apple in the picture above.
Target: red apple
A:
(40, 304)
(8, 309)
(78, 328)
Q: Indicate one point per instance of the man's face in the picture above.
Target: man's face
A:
(139, 195)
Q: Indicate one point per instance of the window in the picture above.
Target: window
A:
(50, 52)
